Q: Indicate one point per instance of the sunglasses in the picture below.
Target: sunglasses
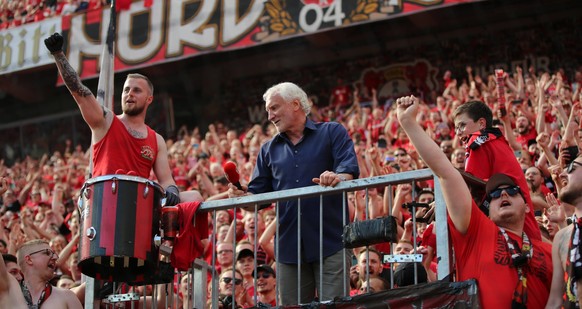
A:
(264, 275)
(229, 280)
(47, 252)
(511, 191)
(571, 167)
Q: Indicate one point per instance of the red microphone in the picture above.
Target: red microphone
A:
(231, 174)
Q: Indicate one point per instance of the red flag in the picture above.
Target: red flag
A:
(148, 3)
(121, 5)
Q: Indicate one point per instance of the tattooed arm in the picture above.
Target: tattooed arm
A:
(97, 116)
(559, 254)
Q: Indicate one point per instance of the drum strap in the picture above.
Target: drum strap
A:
(46, 293)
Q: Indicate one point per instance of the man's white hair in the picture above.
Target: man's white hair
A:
(289, 92)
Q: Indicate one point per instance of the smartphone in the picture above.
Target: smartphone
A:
(516, 102)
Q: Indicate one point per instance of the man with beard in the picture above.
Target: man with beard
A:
(525, 132)
(121, 143)
(566, 254)
(39, 262)
(369, 266)
(489, 152)
(537, 188)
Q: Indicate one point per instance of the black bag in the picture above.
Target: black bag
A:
(370, 232)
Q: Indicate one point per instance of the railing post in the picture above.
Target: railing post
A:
(199, 276)
(442, 232)
(89, 291)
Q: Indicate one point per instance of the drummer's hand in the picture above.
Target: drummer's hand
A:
(172, 195)
(233, 191)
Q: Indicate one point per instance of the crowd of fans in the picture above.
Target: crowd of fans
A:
(542, 119)
(14, 13)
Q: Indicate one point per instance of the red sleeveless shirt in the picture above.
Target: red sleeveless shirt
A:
(118, 150)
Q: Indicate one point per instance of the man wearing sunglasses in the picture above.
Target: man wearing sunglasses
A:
(566, 251)
(231, 289)
(39, 263)
(266, 285)
(511, 268)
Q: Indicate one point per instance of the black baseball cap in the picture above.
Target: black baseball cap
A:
(265, 268)
(244, 253)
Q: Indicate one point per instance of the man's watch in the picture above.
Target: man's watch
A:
(342, 177)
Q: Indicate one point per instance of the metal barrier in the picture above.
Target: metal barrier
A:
(254, 202)
(196, 278)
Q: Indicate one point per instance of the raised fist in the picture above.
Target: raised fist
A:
(54, 43)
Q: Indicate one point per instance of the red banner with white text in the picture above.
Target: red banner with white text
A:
(153, 32)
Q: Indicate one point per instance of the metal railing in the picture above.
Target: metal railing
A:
(255, 201)
(196, 277)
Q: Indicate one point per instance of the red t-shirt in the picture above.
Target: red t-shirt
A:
(429, 238)
(482, 254)
(118, 150)
(523, 139)
(545, 190)
(495, 156)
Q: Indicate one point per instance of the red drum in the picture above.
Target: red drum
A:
(120, 217)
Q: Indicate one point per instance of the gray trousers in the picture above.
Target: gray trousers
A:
(335, 280)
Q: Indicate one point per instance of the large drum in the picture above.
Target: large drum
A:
(120, 217)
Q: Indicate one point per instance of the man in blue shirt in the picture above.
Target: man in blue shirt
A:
(304, 153)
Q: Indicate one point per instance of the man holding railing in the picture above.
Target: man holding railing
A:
(512, 269)
(301, 154)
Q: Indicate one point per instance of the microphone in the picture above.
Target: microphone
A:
(231, 174)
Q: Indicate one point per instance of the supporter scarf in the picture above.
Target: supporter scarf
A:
(46, 293)
(520, 258)
(479, 138)
(573, 266)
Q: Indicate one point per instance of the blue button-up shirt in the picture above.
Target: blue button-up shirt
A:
(282, 165)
